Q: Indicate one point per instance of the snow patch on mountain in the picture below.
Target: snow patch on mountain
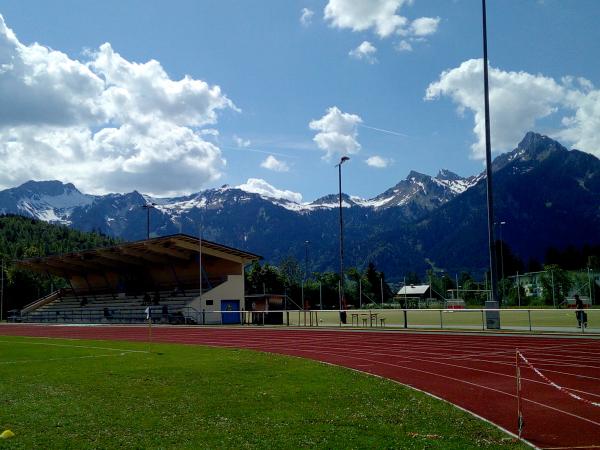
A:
(55, 202)
(266, 190)
(53, 208)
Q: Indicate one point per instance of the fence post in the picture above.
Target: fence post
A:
(529, 315)
(405, 319)
(519, 288)
(360, 292)
(553, 294)
(482, 320)
(320, 296)
(519, 411)
(590, 287)
(441, 320)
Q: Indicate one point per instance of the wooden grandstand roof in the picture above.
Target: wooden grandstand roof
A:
(162, 250)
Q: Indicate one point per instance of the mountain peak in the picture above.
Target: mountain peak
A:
(333, 199)
(51, 188)
(445, 174)
(533, 149)
(535, 144)
(413, 174)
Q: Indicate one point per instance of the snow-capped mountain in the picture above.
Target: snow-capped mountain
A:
(55, 202)
(551, 193)
(533, 149)
(423, 191)
(51, 201)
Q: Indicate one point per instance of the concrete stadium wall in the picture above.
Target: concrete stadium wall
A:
(232, 289)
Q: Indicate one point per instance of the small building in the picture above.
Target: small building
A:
(266, 308)
(420, 291)
(414, 296)
(198, 280)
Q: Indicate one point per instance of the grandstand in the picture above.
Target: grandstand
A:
(120, 284)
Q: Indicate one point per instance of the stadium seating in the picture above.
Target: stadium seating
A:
(110, 308)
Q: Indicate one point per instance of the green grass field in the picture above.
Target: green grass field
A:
(465, 318)
(101, 394)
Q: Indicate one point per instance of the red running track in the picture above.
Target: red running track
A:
(475, 372)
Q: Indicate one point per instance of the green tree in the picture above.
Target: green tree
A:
(23, 237)
(440, 284)
(555, 284)
(264, 278)
(412, 278)
(329, 284)
(505, 288)
(291, 271)
(513, 294)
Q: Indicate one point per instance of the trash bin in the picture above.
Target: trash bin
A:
(492, 318)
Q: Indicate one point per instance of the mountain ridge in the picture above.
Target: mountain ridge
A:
(547, 195)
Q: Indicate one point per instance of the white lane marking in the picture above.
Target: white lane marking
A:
(112, 355)
(76, 346)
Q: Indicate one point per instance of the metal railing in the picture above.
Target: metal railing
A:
(474, 319)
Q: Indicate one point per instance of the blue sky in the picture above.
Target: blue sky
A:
(293, 94)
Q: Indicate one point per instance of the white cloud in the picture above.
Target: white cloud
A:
(146, 91)
(242, 143)
(45, 87)
(365, 51)
(581, 128)
(517, 101)
(261, 187)
(306, 16)
(337, 133)
(381, 16)
(404, 46)
(210, 132)
(272, 163)
(378, 162)
(424, 26)
(361, 15)
(106, 124)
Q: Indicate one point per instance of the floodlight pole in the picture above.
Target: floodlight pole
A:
(501, 252)
(148, 207)
(200, 262)
(342, 298)
(305, 269)
(488, 164)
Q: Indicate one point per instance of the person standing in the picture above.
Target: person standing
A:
(580, 313)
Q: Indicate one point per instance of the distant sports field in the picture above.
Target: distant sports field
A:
(469, 319)
(64, 393)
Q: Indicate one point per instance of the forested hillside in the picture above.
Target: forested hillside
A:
(22, 237)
